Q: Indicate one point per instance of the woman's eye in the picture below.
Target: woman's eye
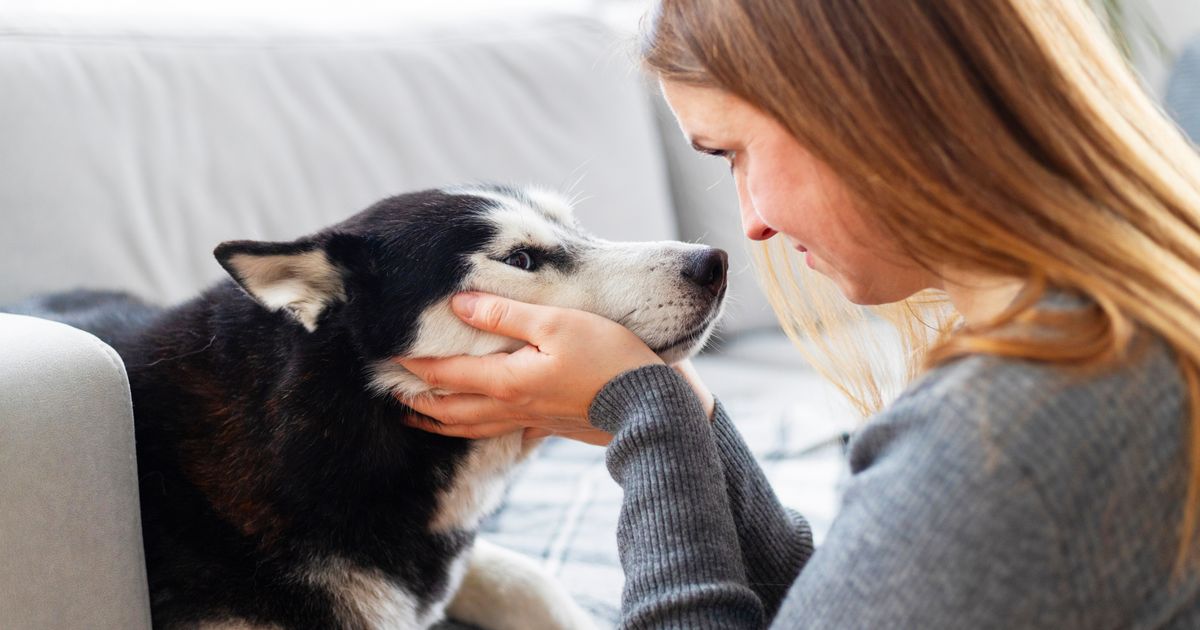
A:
(521, 259)
(722, 153)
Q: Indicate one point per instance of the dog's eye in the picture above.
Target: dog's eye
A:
(521, 259)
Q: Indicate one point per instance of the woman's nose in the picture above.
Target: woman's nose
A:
(754, 227)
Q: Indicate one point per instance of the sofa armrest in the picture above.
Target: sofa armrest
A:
(70, 529)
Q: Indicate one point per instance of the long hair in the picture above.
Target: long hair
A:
(1004, 137)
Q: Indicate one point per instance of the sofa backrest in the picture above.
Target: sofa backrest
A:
(1182, 99)
(129, 153)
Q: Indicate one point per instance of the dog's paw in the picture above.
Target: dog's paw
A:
(504, 590)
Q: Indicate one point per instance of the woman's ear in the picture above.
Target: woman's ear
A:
(298, 276)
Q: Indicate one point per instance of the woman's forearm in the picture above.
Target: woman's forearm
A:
(677, 534)
(775, 541)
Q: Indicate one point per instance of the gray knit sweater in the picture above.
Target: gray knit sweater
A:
(993, 493)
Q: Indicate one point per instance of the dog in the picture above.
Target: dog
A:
(280, 487)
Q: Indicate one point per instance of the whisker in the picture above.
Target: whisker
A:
(180, 356)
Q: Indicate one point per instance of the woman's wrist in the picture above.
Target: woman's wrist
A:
(652, 392)
(689, 374)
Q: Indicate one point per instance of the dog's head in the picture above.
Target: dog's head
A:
(384, 277)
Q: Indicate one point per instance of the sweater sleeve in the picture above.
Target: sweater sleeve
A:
(676, 535)
(775, 541)
(677, 526)
(939, 526)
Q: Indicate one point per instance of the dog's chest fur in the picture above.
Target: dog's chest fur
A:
(479, 483)
(366, 596)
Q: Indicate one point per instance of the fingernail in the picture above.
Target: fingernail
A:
(464, 304)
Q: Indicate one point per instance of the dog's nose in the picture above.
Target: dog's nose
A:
(707, 269)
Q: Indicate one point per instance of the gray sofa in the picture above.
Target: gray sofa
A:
(1182, 98)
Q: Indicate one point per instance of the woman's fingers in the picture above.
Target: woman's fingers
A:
(459, 409)
(532, 323)
(469, 431)
(463, 373)
(548, 384)
(472, 415)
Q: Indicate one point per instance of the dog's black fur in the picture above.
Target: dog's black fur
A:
(260, 445)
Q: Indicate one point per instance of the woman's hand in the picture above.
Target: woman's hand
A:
(545, 387)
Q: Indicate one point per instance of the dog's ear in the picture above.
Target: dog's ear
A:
(297, 276)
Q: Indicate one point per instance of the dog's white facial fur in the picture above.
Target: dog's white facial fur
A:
(640, 285)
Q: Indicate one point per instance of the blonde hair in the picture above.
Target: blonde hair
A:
(1006, 137)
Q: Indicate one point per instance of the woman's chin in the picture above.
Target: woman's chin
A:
(872, 295)
(858, 291)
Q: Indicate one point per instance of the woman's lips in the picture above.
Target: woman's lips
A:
(808, 255)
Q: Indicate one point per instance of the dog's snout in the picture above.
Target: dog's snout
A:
(707, 269)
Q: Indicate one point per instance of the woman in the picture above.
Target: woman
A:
(1042, 471)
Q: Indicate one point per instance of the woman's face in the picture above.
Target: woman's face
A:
(782, 189)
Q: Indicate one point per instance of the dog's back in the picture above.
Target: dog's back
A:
(112, 316)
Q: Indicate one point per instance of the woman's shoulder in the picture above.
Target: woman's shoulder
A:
(1098, 457)
(1031, 411)
(1059, 489)
(1049, 420)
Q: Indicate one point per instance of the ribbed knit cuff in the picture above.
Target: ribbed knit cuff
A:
(676, 536)
(776, 542)
(645, 389)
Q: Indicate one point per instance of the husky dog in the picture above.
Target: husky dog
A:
(279, 487)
